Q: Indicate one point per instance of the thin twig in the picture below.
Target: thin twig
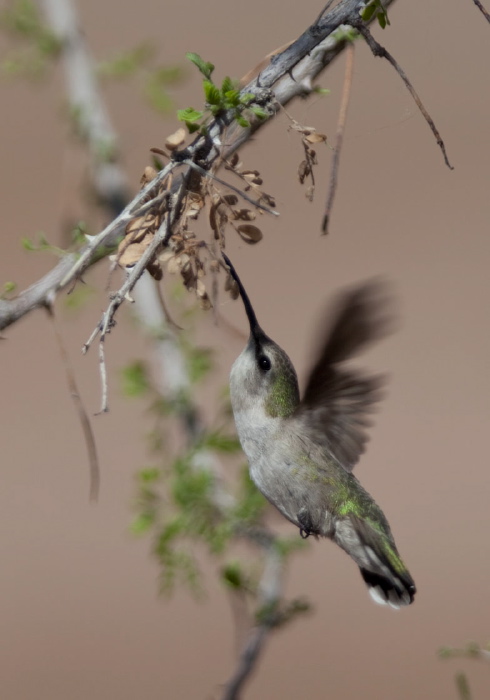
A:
(88, 434)
(344, 104)
(104, 406)
(327, 7)
(380, 51)
(482, 10)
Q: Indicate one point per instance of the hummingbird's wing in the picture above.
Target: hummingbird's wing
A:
(337, 399)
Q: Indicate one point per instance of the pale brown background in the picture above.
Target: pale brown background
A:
(80, 616)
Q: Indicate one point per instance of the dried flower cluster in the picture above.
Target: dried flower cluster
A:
(182, 254)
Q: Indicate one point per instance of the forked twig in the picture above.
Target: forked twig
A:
(380, 51)
(344, 104)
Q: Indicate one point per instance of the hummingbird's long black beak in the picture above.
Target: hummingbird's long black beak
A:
(255, 329)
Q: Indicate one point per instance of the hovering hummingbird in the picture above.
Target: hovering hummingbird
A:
(301, 452)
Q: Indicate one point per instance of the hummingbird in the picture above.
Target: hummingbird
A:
(301, 451)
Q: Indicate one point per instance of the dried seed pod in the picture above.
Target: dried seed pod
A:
(218, 218)
(315, 137)
(175, 140)
(268, 199)
(253, 179)
(304, 170)
(194, 206)
(232, 287)
(149, 174)
(173, 266)
(249, 234)
(136, 228)
(131, 254)
(244, 214)
(155, 270)
(201, 289)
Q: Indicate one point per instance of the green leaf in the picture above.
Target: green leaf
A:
(189, 115)
(232, 99)
(27, 244)
(242, 121)
(259, 112)
(247, 98)
(367, 12)
(228, 84)
(212, 93)
(205, 68)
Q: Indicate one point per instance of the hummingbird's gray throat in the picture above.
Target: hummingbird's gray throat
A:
(301, 452)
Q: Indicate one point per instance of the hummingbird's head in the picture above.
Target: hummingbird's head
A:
(262, 375)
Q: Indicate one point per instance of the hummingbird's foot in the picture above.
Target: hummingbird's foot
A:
(305, 523)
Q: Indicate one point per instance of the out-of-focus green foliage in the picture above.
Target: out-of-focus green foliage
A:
(23, 22)
(139, 64)
(472, 650)
(188, 510)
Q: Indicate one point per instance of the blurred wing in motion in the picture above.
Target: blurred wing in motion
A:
(337, 400)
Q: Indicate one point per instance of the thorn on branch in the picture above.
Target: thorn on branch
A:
(378, 50)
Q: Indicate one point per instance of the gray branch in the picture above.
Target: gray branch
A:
(288, 75)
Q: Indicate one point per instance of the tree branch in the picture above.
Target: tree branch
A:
(289, 74)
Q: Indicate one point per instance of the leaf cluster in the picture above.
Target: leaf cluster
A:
(219, 100)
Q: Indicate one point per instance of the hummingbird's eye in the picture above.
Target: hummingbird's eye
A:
(264, 363)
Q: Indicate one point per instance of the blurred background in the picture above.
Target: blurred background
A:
(80, 610)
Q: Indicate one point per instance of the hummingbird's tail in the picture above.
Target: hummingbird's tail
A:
(385, 574)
